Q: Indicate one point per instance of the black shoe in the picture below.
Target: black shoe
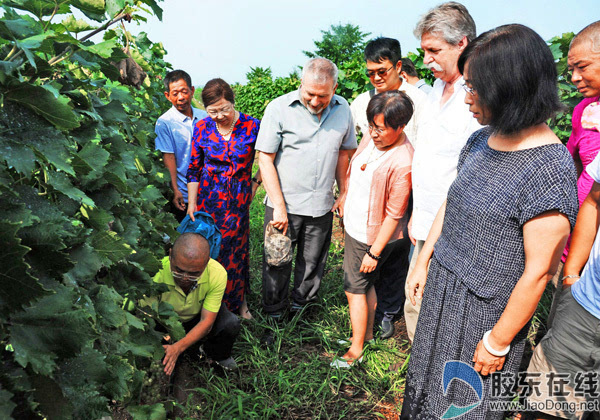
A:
(387, 329)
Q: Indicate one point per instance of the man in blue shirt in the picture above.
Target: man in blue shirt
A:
(174, 131)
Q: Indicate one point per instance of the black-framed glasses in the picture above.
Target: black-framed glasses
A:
(468, 89)
(381, 72)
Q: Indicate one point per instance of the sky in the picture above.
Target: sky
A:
(225, 38)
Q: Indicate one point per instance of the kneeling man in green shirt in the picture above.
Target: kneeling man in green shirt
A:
(196, 285)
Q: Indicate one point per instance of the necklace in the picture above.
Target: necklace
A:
(230, 127)
(364, 165)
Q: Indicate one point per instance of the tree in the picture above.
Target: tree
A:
(340, 43)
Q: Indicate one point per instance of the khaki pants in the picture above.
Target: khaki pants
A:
(411, 312)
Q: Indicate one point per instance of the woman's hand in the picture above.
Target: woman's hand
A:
(368, 264)
(416, 283)
(485, 362)
(338, 206)
(190, 212)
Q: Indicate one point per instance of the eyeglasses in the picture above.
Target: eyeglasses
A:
(186, 276)
(468, 89)
(225, 110)
(381, 72)
(377, 130)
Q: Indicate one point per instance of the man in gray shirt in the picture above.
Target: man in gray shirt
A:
(305, 142)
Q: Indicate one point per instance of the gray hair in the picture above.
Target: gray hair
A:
(450, 20)
(591, 33)
(320, 70)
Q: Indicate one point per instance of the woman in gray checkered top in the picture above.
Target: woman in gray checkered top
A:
(498, 238)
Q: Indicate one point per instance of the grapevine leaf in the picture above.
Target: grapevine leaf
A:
(52, 329)
(134, 322)
(54, 149)
(114, 6)
(81, 378)
(103, 49)
(90, 160)
(148, 412)
(15, 211)
(6, 405)
(51, 398)
(76, 25)
(109, 246)
(93, 9)
(87, 263)
(40, 8)
(17, 155)
(18, 286)
(62, 183)
(32, 43)
(120, 373)
(155, 8)
(43, 102)
(97, 217)
(108, 306)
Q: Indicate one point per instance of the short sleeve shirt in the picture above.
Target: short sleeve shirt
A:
(208, 294)
(174, 135)
(306, 150)
(586, 290)
(493, 196)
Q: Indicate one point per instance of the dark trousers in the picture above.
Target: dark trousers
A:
(219, 341)
(390, 287)
(311, 236)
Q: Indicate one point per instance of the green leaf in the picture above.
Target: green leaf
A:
(148, 412)
(17, 155)
(44, 103)
(134, 322)
(76, 25)
(62, 183)
(51, 399)
(108, 306)
(93, 9)
(52, 329)
(97, 217)
(6, 405)
(102, 49)
(18, 286)
(40, 8)
(109, 246)
(31, 43)
(87, 263)
(114, 6)
(155, 8)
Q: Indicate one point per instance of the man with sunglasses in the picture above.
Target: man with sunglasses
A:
(383, 57)
(196, 284)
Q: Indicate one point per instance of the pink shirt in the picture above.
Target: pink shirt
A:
(584, 145)
(390, 189)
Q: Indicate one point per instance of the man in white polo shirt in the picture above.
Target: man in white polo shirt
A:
(444, 127)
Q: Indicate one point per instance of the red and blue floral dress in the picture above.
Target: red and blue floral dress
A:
(223, 169)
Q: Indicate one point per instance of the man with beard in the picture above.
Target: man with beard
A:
(444, 127)
(305, 142)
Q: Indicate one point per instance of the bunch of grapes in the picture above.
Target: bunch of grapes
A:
(156, 383)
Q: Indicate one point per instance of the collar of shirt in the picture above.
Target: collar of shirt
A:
(295, 97)
(197, 113)
(170, 281)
